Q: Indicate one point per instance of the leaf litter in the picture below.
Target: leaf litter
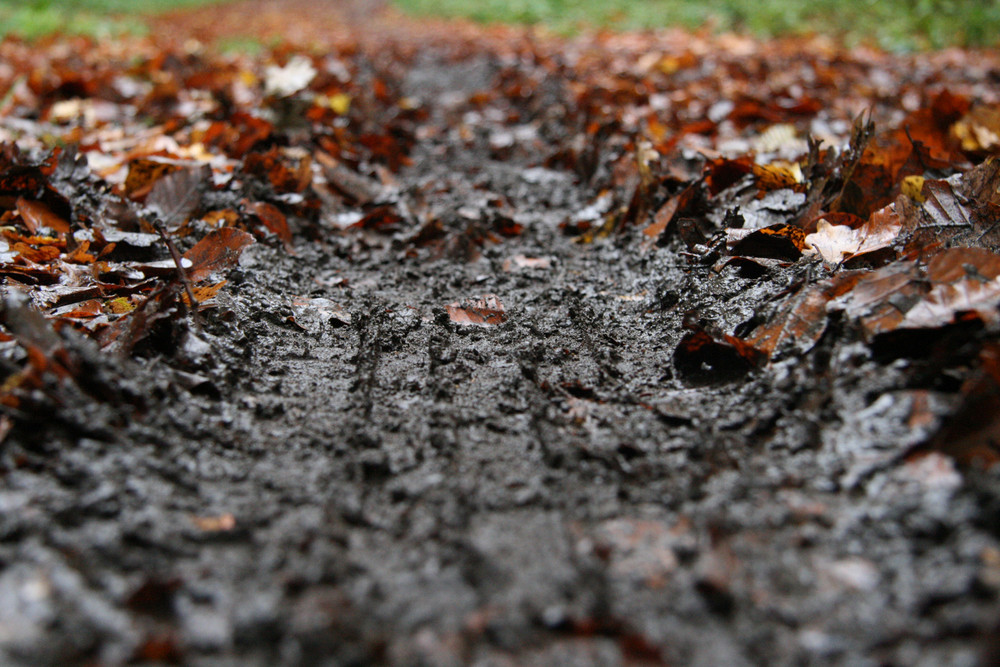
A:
(713, 275)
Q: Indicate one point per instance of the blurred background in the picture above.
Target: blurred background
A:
(895, 25)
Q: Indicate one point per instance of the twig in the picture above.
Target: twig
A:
(178, 260)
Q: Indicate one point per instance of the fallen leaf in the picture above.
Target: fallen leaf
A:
(296, 74)
(835, 243)
(314, 313)
(176, 195)
(143, 174)
(217, 251)
(781, 241)
(523, 262)
(801, 320)
(272, 218)
(214, 524)
(486, 310)
(979, 130)
(701, 359)
(37, 217)
(962, 280)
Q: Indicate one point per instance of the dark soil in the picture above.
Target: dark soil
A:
(276, 483)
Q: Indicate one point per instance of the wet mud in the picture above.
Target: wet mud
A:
(332, 468)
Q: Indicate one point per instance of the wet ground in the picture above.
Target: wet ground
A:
(331, 467)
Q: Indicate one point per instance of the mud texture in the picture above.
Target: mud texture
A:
(328, 470)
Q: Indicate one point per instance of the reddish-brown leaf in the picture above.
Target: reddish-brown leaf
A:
(802, 319)
(701, 359)
(486, 310)
(38, 216)
(143, 174)
(219, 250)
(272, 218)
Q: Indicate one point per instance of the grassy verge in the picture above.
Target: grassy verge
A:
(99, 18)
(892, 24)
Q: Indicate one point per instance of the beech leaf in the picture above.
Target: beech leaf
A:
(217, 251)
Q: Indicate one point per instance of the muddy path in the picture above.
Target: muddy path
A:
(332, 466)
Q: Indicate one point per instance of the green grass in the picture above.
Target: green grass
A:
(99, 18)
(892, 24)
(897, 25)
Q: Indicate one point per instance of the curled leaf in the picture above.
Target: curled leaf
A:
(835, 243)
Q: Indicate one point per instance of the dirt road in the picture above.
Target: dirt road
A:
(461, 419)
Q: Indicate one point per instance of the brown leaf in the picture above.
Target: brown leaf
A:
(972, 433)
(486, 310)
(835, 243)
(177, 195)
(143, 174)
(272, 218)
(668, 211)
(701, 359)
(802, 319)
(219, 250)
(285, 172)
(781, 241)
(873, 300)
(963, 280)
(37, 216)
(214, 524)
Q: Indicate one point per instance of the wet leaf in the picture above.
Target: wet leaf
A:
(962, 280)
(971, 434)
(315, 313)
(177, 195)
(219, 250)
(272, 218)
(486, 310)
(784, 242)
(802, 318)
(143, 174)
(701, 359)
(835, 243)
(39, 217)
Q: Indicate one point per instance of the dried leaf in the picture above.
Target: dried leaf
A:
(784, 242)
(143, 174)
(979, 130)
(290, 79)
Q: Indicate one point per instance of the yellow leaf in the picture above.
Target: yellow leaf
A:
(120, 306)
(912, 187)
(340, 103)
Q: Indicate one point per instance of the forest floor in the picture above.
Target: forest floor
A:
(508, 349)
